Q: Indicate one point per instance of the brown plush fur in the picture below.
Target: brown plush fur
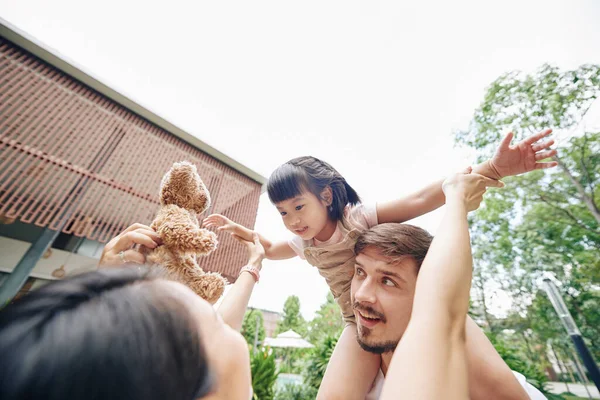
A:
(182, 195)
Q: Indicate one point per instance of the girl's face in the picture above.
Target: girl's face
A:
(306, 216)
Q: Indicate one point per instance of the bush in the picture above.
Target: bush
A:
(296, 392)
(534, 374)
(318, 360)
(264, 374)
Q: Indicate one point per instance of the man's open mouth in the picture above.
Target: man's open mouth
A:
(368, 320)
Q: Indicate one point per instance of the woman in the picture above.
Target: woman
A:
(122, 333)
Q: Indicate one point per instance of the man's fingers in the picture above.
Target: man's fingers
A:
(544, 165)
(545, 154)
(542, 146)
(537, 136)
(506, 141)
(492, 182)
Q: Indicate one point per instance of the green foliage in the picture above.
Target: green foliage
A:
(292, 360)
(533, 372)
(317, 361)
(292, 319)
(249, 326)
(327, 321)
(296, 392)
(264, 374)
(542, 222)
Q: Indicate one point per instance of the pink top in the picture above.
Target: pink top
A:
(360, 216)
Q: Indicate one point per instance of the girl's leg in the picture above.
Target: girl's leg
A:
(351, 370)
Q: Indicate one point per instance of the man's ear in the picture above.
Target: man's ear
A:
(327, 196)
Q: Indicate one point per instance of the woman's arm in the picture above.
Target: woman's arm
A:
(233, 307)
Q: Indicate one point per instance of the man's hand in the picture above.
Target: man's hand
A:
(522, 157)
(120, 249)
(468, 188)
(256, 251)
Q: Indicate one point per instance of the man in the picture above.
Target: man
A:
(387, 264)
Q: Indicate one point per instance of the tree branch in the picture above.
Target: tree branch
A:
(569, 214)
(581, 190)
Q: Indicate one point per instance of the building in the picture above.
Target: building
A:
(270, 320)
(66, 164)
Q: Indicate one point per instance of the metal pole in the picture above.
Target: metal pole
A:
(560, 367)
(573, 331)
(255, 330)
(19, 275)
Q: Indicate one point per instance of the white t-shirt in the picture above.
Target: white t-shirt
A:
(359, 216)
(533, 393)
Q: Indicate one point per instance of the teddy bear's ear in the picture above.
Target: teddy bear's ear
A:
(183, 187)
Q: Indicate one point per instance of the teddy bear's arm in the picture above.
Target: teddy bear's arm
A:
(179, 232)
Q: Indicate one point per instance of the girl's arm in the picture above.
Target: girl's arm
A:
(273, 251)
(508, 160)
(435, 338)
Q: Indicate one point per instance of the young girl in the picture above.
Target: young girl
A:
(325, 214)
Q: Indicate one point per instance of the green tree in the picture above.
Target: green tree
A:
(249, 326)
(292, 319)
(542, 222)
(327, 321)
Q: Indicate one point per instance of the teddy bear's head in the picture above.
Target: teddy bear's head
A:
(183, 187)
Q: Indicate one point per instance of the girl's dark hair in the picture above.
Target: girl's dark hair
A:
(309, 173)
(104, 335)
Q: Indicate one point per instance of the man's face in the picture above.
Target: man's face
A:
(382, 297)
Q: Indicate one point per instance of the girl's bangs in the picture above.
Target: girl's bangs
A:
(286, 182)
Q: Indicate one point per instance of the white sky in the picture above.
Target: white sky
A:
(375, 88)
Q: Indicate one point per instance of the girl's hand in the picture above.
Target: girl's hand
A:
(523, 156)
(468, 188)
(120, 250)
(221, 222)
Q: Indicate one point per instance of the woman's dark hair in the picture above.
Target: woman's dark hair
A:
(309, 173)
(104, 335)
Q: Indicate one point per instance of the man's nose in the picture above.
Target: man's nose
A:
(365, 292)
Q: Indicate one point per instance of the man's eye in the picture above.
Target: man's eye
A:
(283, 213)
(389, 282)
(359, 272)
(298, 208)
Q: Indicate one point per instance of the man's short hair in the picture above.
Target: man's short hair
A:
(396, 241)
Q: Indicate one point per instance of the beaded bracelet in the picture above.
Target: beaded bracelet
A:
(255, 272)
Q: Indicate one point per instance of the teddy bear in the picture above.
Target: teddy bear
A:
(182, 196)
